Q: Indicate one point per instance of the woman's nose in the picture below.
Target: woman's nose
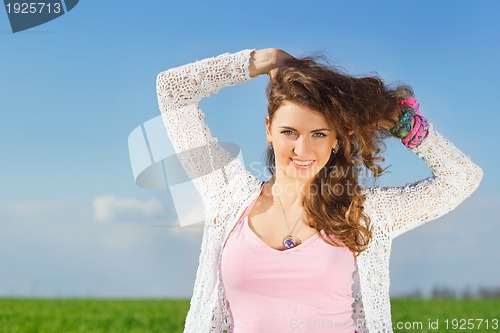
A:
(302, 147)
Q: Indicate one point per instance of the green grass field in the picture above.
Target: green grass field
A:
(91, 315)
(151, 316)
(440, 315)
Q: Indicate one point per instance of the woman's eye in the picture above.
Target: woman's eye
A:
(318, 135)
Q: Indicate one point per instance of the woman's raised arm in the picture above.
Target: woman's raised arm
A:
(455, 177)
(180, 89)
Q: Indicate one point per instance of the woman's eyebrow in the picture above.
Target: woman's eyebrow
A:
(317, 130)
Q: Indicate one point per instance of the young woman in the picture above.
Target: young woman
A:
(307, 250)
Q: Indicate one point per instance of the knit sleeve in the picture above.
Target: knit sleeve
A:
(396, 210)
(179, 90)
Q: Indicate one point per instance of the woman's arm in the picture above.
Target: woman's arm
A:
(455, 177)
(180, 89)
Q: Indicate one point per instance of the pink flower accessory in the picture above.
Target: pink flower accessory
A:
(412, 103)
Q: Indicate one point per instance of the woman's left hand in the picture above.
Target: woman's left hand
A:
(266, 60)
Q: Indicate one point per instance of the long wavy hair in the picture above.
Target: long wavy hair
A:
(361, 110)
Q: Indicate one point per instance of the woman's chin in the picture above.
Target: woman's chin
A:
(302, 175)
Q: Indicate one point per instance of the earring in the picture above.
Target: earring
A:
(335, 150)
(270, 145)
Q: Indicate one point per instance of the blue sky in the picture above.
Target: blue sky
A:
(74, 223)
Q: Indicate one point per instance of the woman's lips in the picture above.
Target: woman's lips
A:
(301, 164)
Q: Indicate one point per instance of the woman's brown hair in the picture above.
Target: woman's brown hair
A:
(361, 110)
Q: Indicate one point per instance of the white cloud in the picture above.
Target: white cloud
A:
(110, 208)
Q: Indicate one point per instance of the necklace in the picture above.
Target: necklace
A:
(289, 241)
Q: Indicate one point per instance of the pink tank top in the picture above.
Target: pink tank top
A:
(307, 288)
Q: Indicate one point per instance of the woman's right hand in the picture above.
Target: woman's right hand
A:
(266, 60)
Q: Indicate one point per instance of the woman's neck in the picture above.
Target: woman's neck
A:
(290, 191)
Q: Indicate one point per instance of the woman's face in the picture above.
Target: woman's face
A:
(302, 141)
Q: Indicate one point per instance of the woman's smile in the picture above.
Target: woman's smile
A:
(302, 164)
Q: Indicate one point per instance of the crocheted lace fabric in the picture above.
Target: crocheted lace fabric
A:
(227, 188)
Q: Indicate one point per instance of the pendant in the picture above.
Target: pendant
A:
(290, 242)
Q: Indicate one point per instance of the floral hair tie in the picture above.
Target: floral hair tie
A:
(411, 136)
(412, 103)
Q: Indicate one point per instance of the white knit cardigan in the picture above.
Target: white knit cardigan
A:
(227, 188)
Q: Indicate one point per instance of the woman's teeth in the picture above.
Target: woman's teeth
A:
(301, 163)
